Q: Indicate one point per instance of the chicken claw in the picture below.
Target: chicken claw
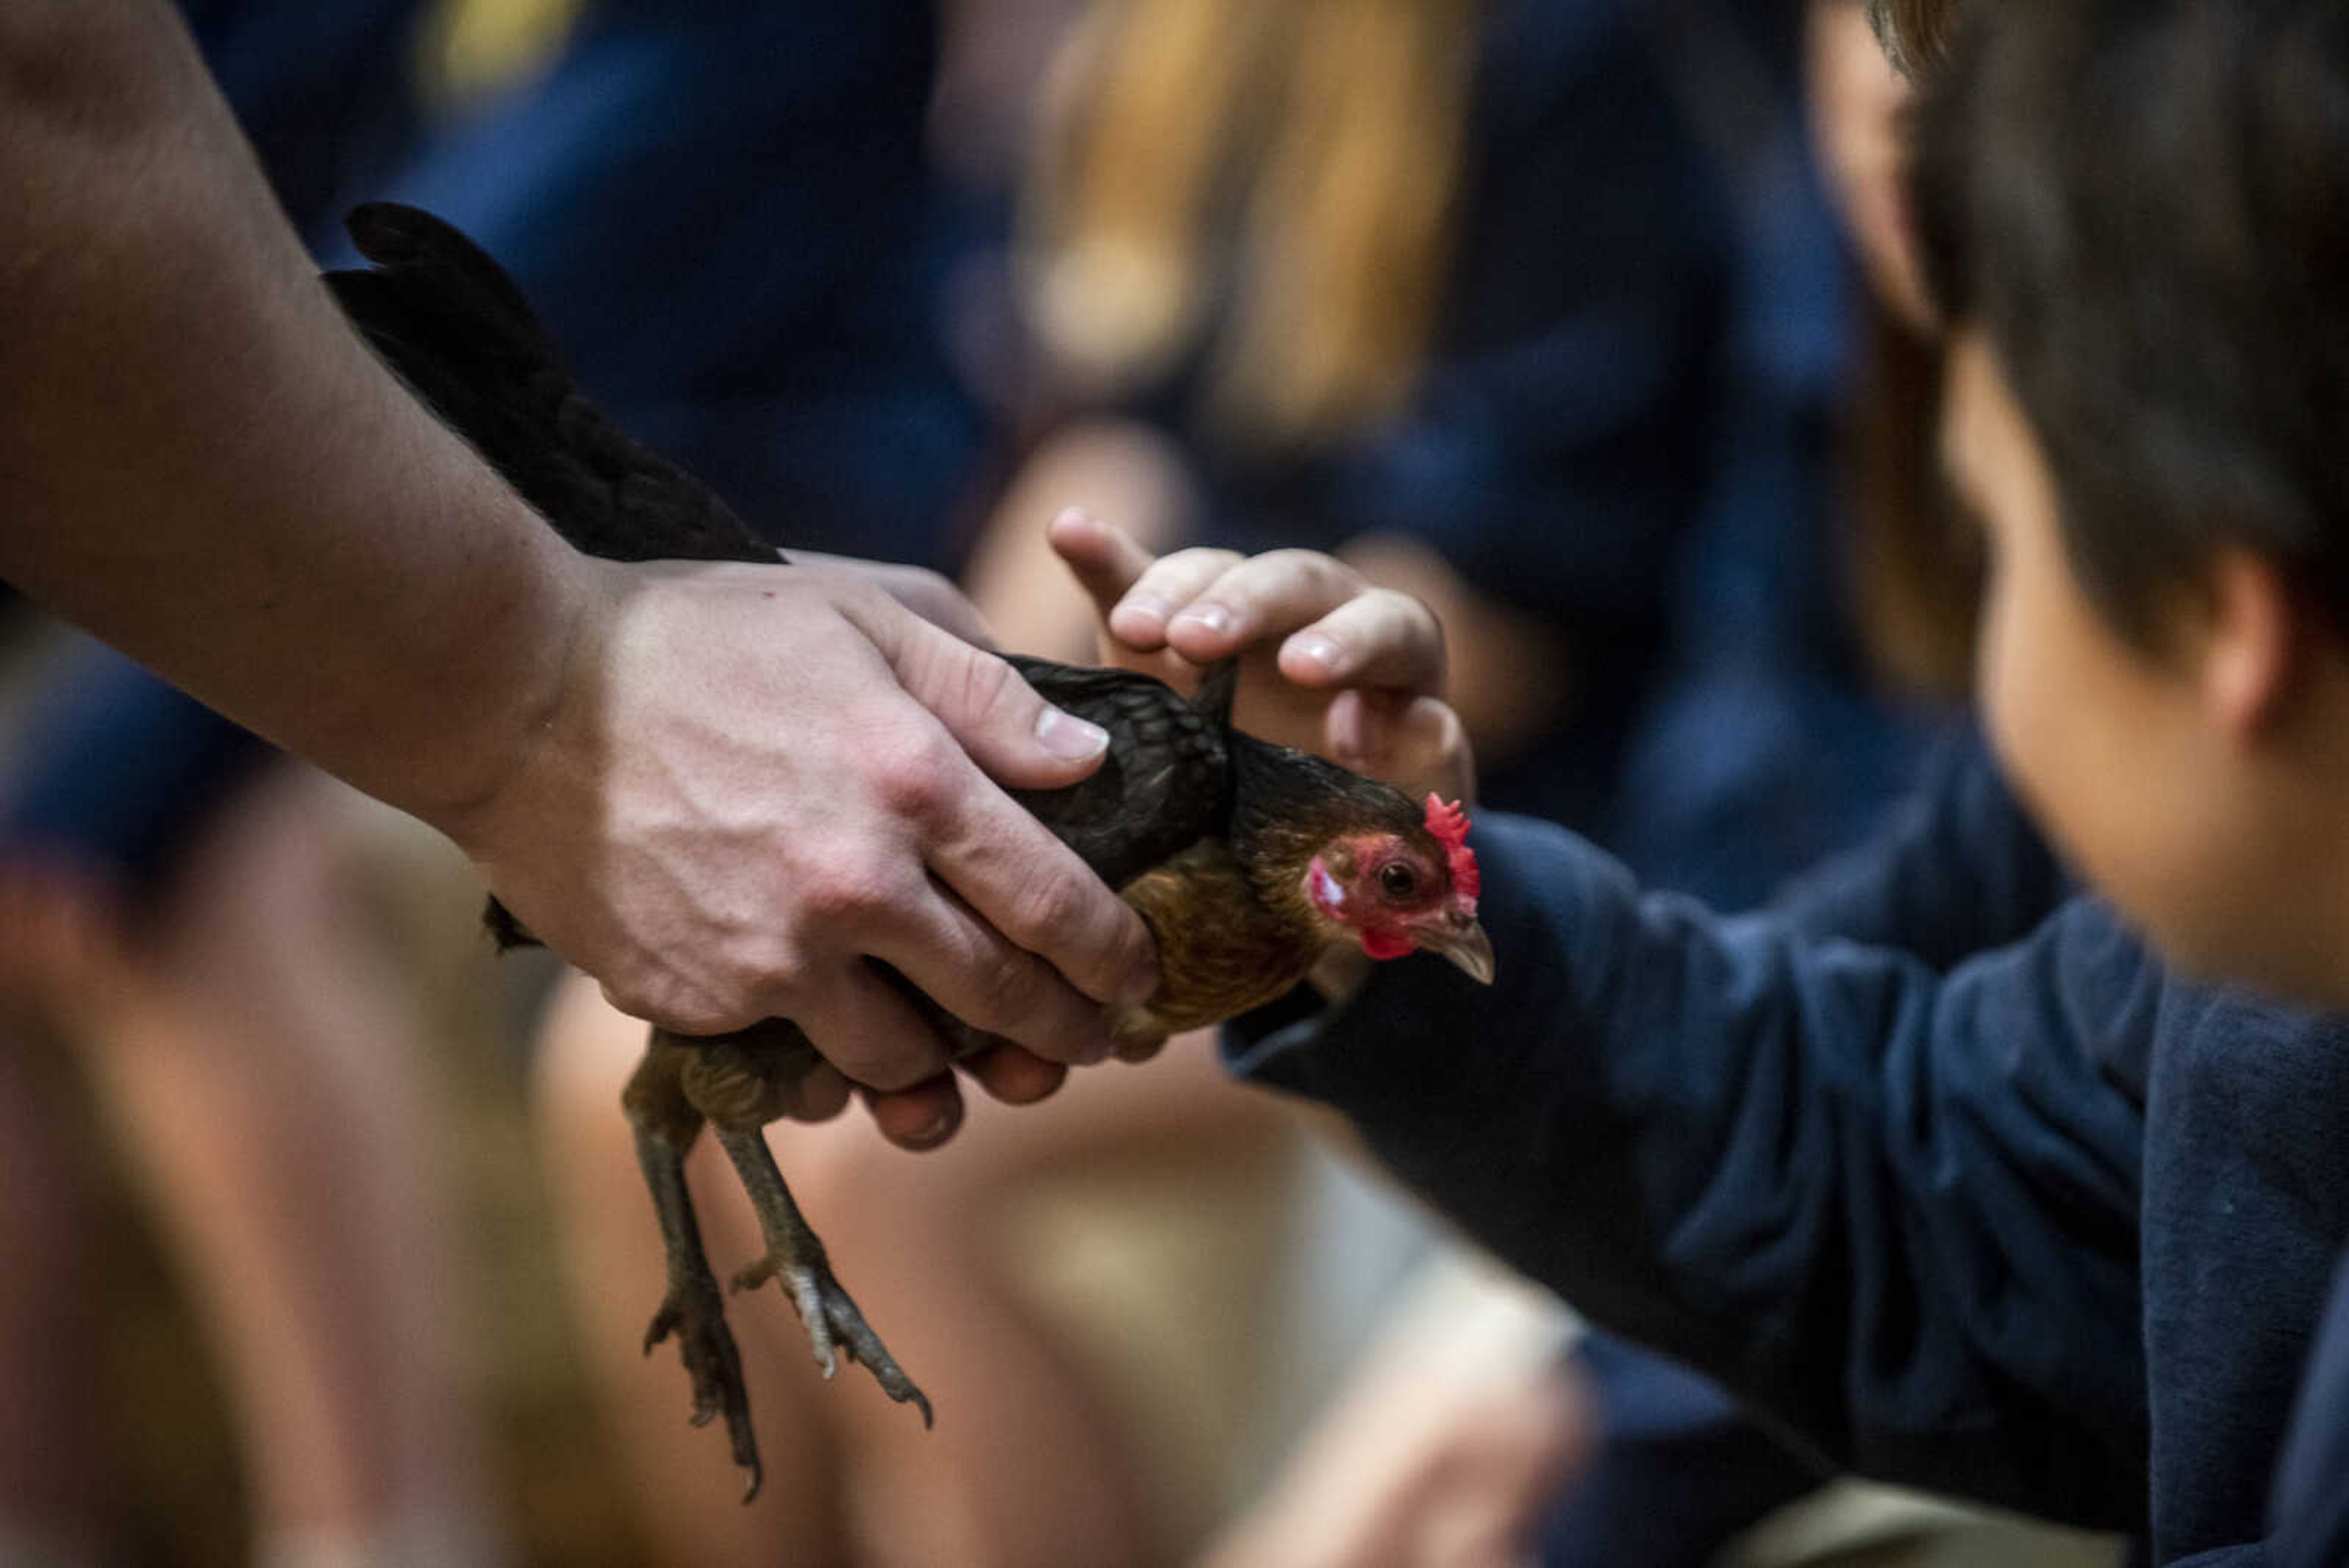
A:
(694, 1311)
(796, 1257)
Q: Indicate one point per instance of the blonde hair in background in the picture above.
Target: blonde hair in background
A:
(1913, 32)
(470, 50)
(1285, 168)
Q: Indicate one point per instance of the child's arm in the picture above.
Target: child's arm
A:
(1957, 869)
(1897, 1212)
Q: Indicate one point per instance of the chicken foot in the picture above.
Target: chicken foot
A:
(694, 1309)
(796, 1257)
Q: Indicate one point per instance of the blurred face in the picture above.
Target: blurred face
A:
(2198, 786)
(1855, 101)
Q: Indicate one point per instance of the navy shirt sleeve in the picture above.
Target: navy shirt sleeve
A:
(2311, 1501)
(1895, 1211)
(1958, 868)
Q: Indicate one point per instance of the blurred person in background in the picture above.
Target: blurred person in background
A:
(1415, 274)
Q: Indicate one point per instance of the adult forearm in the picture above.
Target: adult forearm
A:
(205, 466)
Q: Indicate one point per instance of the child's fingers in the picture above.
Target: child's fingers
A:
(1172, 582)
(1353, 731)
(1381, 637)
(1429, 749)
(1104, 559)
(1264, 596)
(1417, 746)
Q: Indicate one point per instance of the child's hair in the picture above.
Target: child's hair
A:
(2145, 205)
(1913, 32)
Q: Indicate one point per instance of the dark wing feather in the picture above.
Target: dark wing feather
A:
(453, 326)
(1166, 784)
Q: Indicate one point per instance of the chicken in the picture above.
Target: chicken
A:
(1247, 860)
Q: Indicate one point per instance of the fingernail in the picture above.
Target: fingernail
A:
(1149, 607)
(1206, 617)
(937, 1128)
(1318, 649)
(1072, 514)
(1068, 737)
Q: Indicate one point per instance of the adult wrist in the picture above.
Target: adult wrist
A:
(522, 682)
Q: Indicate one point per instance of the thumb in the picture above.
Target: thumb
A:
(1015, 737)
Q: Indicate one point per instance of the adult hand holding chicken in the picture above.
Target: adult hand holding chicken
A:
(1248, 860)
(883, 729)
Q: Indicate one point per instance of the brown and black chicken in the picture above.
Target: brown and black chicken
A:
(1247, 860)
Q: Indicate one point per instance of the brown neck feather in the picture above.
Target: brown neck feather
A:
(1287, 806)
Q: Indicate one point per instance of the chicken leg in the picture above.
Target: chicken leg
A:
(737, 1084)
(796, 1257)
(666, 1124)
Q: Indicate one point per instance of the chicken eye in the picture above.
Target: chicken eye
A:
(1398, 880)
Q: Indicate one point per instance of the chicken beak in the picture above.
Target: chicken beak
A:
(1465, 944)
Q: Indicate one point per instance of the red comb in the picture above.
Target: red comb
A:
(1449, 824)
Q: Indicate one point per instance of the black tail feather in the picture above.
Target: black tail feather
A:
(452, 324)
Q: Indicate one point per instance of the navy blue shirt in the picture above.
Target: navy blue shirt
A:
(724, 215)
(2050, 1229)
(2312, 1515)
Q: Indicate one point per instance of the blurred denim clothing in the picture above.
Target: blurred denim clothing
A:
(323, 92)
(2052, 1229)
(1769, 748)
(721, 213)
(117, 773)
(1680, 1470)
(2312, 1502)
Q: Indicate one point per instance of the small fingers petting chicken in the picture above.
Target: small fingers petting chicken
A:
(1416, 743)
(1330, 663)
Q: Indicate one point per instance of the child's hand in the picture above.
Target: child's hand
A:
(1327, 663)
